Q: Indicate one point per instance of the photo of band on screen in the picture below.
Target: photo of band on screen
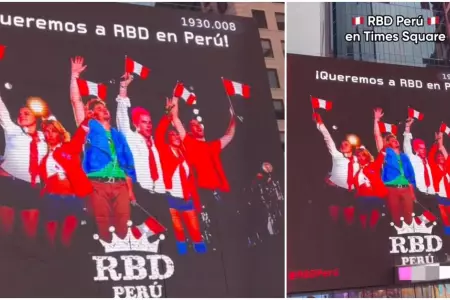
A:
(62, 180)
(402, 181)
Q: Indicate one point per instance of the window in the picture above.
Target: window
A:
(279, 108)
(273, 78)
(267, 47)
(280, 20)
(282, 47)
(260, 18)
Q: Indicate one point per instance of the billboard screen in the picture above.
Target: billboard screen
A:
(368, 170)
(140, 155)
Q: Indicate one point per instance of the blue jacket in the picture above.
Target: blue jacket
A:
(97, 153)
(391, 167)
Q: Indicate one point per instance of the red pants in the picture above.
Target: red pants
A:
(190, 220)
(400, 202)
(110, 205)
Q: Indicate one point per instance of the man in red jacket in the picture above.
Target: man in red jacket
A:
(206, 163)
(205, 156)
(181, 190)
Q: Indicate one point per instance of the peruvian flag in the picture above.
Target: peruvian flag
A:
(433, 20)
(426, 218)
(88, 88)
(445, 129)
(412, 113)
(357, 21)
(320, 103)
(235, 88)
(2, 51)
(181, 92)
(150, 227)
(385, 127)
(134, 67)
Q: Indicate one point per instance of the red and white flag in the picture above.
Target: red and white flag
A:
(235, 88)
(385, 128)
(182, 92)
(88, 88)
(2, 51)
(132, 66)
(445, 129)
(150, 227)
(320, 103)
(357, 21)
(433, 20)
(412, 113)
(425, 218)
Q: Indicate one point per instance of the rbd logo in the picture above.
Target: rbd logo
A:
(416, 239)
(150, 266)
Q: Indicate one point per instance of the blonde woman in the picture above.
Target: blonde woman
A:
(370, 189)
(64, 182)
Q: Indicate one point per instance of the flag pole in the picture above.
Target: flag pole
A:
(136, 204)
(240, 118)
(125, 65)
(314, 112)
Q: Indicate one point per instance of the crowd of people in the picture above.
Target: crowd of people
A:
(413, 182)
(58, 179)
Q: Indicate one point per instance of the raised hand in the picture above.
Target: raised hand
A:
(169, 106)
(77, 65)
(317, 118)
(378, 114)
(127, 79)
(409, 122)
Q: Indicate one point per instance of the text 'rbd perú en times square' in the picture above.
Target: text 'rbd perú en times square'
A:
(411, 32)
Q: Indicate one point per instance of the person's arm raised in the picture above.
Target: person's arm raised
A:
(75, 97)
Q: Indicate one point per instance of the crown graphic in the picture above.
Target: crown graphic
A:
(418, 225)
(130, 242)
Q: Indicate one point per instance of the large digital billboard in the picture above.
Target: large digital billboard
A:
(367, 174)
(140, 156)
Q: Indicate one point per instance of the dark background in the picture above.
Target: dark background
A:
(314, 242)
(37, 63)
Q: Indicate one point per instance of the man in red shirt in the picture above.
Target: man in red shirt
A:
(205, 156)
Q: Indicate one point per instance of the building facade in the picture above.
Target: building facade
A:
(324, 26)
(270, 19)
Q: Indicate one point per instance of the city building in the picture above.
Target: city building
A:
(269, 17)
(324, 26)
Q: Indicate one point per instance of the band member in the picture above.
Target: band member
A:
(398, 174)
(344, 168)
(417, 154)
(146, 156)
(370, 189)
(440, 167)
(108, 162)
(182, 196)
(205, 156)
(65, 183)
(19, 170)
(266, 203)
(207, 165)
